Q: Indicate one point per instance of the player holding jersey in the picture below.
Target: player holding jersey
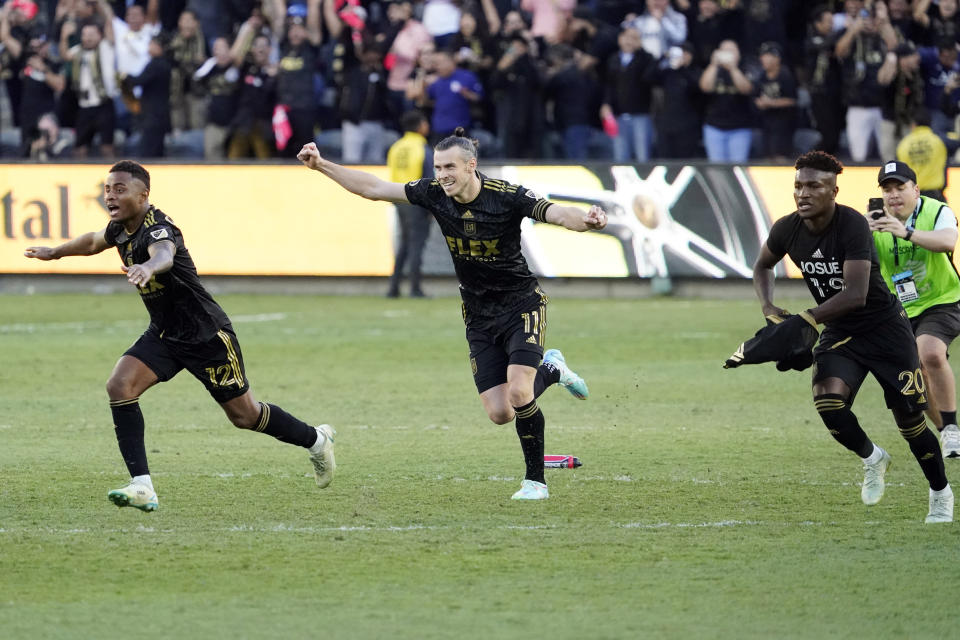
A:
(503, 307)
(865, 327)
(188, 330)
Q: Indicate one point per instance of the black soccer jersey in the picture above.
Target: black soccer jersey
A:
(180, 308)
(484, 241)
(821, 257)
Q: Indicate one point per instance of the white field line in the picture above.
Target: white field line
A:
(91, 325)
(289, 528)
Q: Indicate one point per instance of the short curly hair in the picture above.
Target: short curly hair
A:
(819, 160)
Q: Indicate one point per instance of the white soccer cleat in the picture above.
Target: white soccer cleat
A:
(568, 379)
(324, 465)
(531, 490)
(950, 441)
(135, 495)
(873, 486)
(941, 506)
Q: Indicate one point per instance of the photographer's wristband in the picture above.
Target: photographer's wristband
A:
(909, 233)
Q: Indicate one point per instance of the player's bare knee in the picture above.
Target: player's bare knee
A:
(500, 415)
(242, 420)
(932, 358)
(519, 396)
(119, 389)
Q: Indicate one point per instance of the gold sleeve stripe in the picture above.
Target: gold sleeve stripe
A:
(540, 210)
(264, 417)
(149, 221)
(529, 411)
(232, 358)
(123, 403)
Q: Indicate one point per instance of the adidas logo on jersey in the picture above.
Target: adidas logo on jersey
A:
(532, 340)
(818, 254)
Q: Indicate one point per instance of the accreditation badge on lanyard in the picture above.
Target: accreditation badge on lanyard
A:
(905, 287)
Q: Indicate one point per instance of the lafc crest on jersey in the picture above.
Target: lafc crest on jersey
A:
(469, 226)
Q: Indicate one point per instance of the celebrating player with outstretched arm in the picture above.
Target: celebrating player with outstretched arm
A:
(503, 306)
(188, 330)
(865, 327)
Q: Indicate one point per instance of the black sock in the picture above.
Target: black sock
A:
(925, 448)
(948, 417)
(128, 425)
(547, 374)
(276, 422)
(842, 423)
(530, 431)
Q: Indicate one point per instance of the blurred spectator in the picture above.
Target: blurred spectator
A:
(926, 154)
(473, 48)
(822, 73)
(41, 79)
(220, 78)
(708, 24)
(937, 65)
(401, 59)
(680, 122)
(628, 92)
(549, 17)
(187, 51)
(766, 21)
(154, 84)
(17, 26)
(410, 158)
(572, 89)
(517, 83)
(901, 19)
(862, 48)
(93, 87)
(131, 38)
(451, 91)
(363, 109)
(442, 20)
(660, 27)
(901, 76)
(79, 13)
(299, 62)
(51, 142)
(595, 39)
(776, 99)
(250, 128)
(727, 122)
(852, 9)
(936, 21)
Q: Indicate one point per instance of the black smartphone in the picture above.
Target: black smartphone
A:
(876, 206)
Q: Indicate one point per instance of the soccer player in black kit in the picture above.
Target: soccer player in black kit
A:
(503, 307)
(188, 330)
(865, 327)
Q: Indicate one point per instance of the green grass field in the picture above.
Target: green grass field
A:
(711, 503)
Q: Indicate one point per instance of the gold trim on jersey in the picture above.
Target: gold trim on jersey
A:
(842, 342)
(149, 220)
(232, 357)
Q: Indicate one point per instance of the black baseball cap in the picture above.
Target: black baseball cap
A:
(896, 170)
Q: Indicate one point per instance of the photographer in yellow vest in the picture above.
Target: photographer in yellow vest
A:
(915, 237)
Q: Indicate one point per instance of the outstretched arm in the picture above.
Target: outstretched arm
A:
(85, 245)
(355, 181)
(161, 259)
(575, 219)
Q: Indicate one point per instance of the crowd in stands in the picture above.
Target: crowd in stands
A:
(623, 80)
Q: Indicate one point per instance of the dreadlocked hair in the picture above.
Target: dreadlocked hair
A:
(819, 160)
(459, 139)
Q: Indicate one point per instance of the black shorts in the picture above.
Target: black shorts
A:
(888, 351)
(217, 363)
(95, 120)
(513, 338)
(941, 321)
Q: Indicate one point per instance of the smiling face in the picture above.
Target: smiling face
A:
(455, 172)
(900, 198)
(815, 192)
(126, 198)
